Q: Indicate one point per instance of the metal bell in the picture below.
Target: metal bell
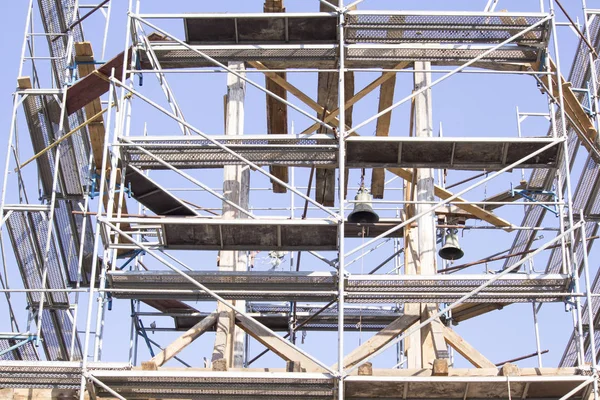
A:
(451, 249)
(363, 212)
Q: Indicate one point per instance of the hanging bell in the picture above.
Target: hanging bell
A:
(363, 212)
(451, 249)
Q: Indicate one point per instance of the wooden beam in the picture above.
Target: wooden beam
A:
(229, 340)
(466, 350)
(222, 355)
(376, 342)
(327, 97)
(24, 82)
(289, 87)
(277, 112)
(332, 116)
(437, 333)
(386, 99)
(471, 310)
(471, 208)
(91, 86)
(276, 343)
(184, 340)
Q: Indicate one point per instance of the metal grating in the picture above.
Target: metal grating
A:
(26, 352)
(27, 232)
(301, 286)
(206, 385)
(442, 28)
(204, 154)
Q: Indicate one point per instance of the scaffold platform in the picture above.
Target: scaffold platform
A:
(322, 151)
(372, 39)
(194, 233)
(321, 286)
(256, 383)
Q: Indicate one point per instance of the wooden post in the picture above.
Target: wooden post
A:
(425, 234)
(229, 340)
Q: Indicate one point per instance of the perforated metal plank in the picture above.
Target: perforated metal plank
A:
(261, 285)
(313, 286)
(325, 56)
(201, 153)
(217, 385)
(48, 374)
(442, 27)
(26, 351)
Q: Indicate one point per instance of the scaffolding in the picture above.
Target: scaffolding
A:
(115, 199)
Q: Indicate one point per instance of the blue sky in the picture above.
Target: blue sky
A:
(466, 105)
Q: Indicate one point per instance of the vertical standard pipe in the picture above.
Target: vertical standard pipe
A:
(537, 334)
(27, 22)
(566, 161)
(341, 195)
(97, 238)
(590, 305)
(594, 106)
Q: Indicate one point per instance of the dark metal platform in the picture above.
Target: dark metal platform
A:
(190, 233)
(322, 286)
(361, 152)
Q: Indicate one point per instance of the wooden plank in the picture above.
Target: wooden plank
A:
(24, 82)
(223, 348)
(437, 333)
(96, 130)
(584, 126)
(466, 350)
(471, 208)
(91, 86)
(276, 343)
(386, 99)
(505, 196)
(376, 342)
(277, 112)
(184, 340)
(327, 90)
(84, 53)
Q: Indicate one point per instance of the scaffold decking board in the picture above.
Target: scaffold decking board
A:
(321, 286)
(322, 151)
(194, 233)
